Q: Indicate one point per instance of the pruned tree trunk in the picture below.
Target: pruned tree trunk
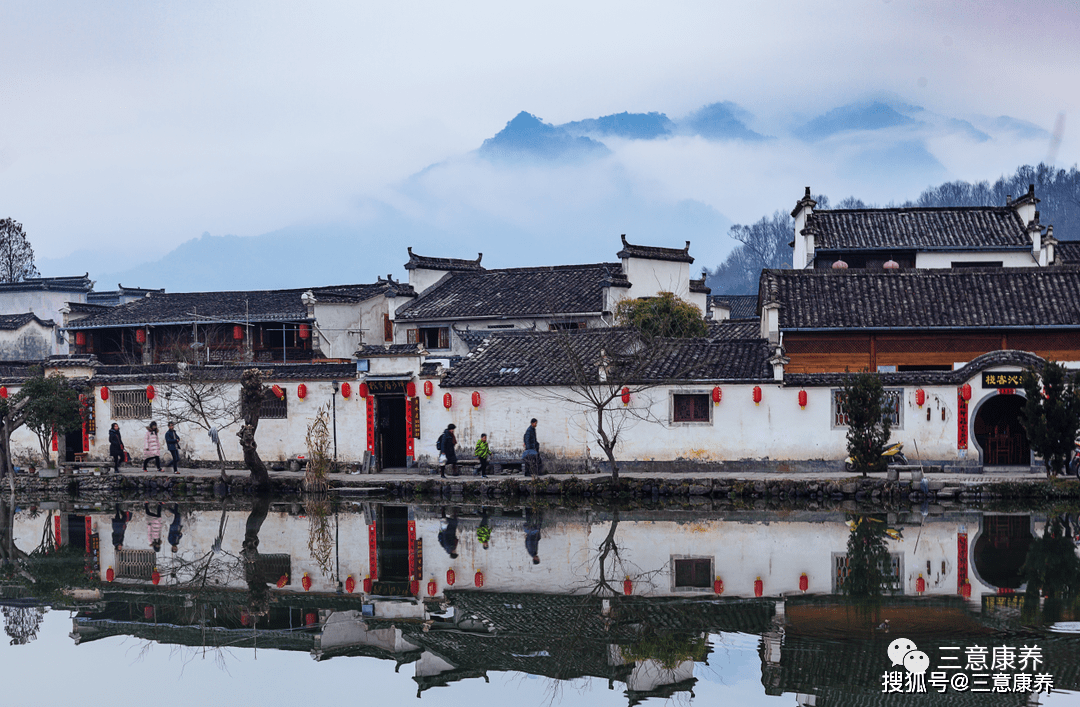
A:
(608, 445)
(251, 397)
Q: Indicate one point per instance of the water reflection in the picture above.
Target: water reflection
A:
(635, 597)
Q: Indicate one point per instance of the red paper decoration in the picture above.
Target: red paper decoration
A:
(432, 588)
(718, 586)
(625, 395)
(346, 390)
(301, 391)
(104, 393)
(277, 391)
(447, 400)
(367, 585)
(410, 390)
(965, 390)
(155, 577)
(627, 587)
(757, 394)
(920, 585)
(282, 581)
(717, 395)
(802, 399)
(362, 390)
(110, 575)
(450, 578)
(476, 399)
(140, 336)
(414, 587)
(350, 584)
(237, 332)
(759, 587)
(80, 338)
(305, 331)
(920, 397)
(306, 582)
(310, 618)
(3, 392)
(478, 580)
(428, 388)
(149, 392)
(804, 582)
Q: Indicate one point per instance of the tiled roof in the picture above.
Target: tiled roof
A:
(11, 322)
(1016, 359)
(680, 255)
(541, 358)
(940, 228)
(740, 306)
(516, 292)
(700, 287)
(454, 264)
(1067, 252)
(360, 293)
(378, 350)
(87, 307)
(79, 283)
(734, 329)
(920, 299)
(111, 298)
(166, 372)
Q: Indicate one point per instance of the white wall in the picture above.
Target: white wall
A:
(651, 277)
(1008, 259)
(30, 342)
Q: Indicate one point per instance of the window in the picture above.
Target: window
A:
(556, 326)
(976, 263)
(430, 337)
(272, 407)
(130, 404)
(894, 404)
(692, 407)
(388, 328)
(893, 572)
(135, 564)
(693, 572)
(269, 568)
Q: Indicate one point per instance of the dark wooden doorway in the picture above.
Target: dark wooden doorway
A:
(391, 431)
(999, 432)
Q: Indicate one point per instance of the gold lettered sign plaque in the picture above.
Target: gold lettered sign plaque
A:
(1003, 379)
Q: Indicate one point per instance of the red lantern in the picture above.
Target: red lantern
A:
(802, 399)
(718, 586)
(3, 392)
(804, 582)
(155, 577)
(920, 585)
(450, 578)
(414, 587)
(476, 399)
(301, 391)
(305, 331)
(237, 332)
(149, 392)
(306, 582)
(350, 584)
(478, 580)
(920, 397)
(759, 587)
(410, 390)
(757, 394)
(447, 400)
(625, 396)
(965, 591)
(362, 390)
(148, 612)
(310, 618)
(282, 581)
(110, 575)
(245, 618)
(346, 390)
(627, 587)
(104, 393)
(80, 338)
(717, 395)
(140, 336)
(965, 391)
(277, 391)
(367, 585)
(432, 588)
(428, 388)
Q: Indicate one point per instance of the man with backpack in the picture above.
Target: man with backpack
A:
(447, 446)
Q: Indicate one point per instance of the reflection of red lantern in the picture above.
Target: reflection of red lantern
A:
(277, 391)
(627, 587)
(476, 399)
(718, 586)
(965, 591)
(149, 392)
(428, 388)
(804, 582)
(305, 331)
(414, 587)
(140, 336)
(362, 390)
(306, 582)
(237, 332)
(759, 587)
(310, 618)
(350, 584)
(802, 399)
(478, 580)
(245, 618)
(155, 577)
(450, 578)
(110, 575)
(717, 395)
(148, 612)
(410, 390)
(80, 338)
(625, 395)
(432, 588)
(104, 393)
(757, 394)
(346, 390)
(920, 397)
(282, 581)
(447, 400)
(3, 392)
(920, 585)
(367, 585)
(301, 391)
(965, 391)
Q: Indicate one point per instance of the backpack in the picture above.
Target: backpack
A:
(439, 442)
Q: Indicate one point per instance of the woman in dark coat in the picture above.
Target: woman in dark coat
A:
(116, 447)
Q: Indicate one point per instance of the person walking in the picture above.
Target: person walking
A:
(119, 527)
(175, 528)
(534, 520)
(116, 447)
(483, 532)
(483, 453)
(153, 526)
(531, 455)
(172, 441)
(447, 444)
(448, 535)
(152, 448)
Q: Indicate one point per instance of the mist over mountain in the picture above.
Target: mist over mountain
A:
(867, 116)
(527, 137)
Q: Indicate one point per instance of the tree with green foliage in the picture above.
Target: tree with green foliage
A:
(663, 316)
(869, 567)
(868, 419)
(53, 407)
(1051, 414)
(1052, 570)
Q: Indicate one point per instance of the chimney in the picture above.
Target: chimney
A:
(804, 244)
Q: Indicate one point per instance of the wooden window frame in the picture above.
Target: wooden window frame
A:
(703, 397)
(130, 404)
(699, 564)
(839, 417)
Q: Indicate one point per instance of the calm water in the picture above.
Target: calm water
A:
(598, 605)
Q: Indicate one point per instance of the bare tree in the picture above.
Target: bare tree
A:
(16, 253)
(252, 392)
(207, 402)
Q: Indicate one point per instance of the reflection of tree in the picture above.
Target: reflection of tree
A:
(22, 622)
(258, 589)
(1052, 570)
(869, 569)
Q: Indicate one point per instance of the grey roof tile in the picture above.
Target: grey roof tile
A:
(939, 228)
(740, 306)
(449, 264)
(1068, 252)
(649, 252)
(11, 322)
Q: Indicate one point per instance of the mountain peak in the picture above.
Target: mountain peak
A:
(526, 136)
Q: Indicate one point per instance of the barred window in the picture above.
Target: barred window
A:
(894, 406)
(130, 404)
(135, 564)
(270, 567)
(892, 570)
(274, 408)
(690, 408)
(693, 572)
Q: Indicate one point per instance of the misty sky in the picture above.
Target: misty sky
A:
(130, 127)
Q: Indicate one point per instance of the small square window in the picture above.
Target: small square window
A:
(694, 573)
(894, 405)
(690, 407)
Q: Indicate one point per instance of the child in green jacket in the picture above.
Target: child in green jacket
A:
(482, 454)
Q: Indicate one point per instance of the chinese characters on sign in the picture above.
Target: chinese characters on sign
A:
(968, 669)
(1003, 380)
(961, 421)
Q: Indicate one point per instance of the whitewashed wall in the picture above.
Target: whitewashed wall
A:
(1008, 259)
(30, 342)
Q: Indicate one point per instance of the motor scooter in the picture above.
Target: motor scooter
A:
(894, 453)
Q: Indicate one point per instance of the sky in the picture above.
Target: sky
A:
(130, 128)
